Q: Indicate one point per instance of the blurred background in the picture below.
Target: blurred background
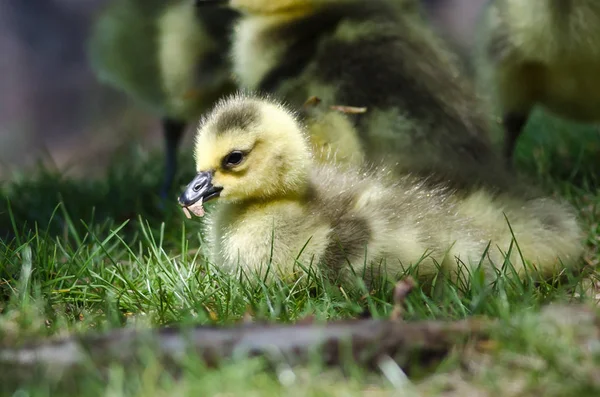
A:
(52, 109)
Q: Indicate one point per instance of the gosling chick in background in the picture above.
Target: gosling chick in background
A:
(422, 113)
(169, 56)
(543, 52)
(275, 205)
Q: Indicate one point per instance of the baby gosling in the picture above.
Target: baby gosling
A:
(170, 56)
(543, 52)
(277, 206)
(422, 115)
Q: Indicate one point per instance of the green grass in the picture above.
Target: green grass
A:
(98, 254)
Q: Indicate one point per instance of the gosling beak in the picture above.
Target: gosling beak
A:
(200, 187)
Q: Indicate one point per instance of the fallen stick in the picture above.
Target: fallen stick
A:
(367, 342)
(362, 341)
(314, 101)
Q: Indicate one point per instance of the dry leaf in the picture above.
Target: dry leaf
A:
(213, 316)
(309, 319)
(401, 291)
(312, 101)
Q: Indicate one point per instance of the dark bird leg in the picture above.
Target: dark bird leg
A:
(173, 132)
(513, 126)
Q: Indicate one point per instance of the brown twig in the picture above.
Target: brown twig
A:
(366, 341)
(314, 101)
(349, 109)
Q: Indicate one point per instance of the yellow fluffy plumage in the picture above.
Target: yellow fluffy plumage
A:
(276, 205)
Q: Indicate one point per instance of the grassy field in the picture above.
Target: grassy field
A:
(97, 254)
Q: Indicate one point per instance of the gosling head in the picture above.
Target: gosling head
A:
(248, 148)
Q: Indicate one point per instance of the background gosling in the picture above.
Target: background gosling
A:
(422, 112)
(277, 206)
(168, 56)
(543, 52)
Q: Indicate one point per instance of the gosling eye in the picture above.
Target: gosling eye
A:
(233, 159)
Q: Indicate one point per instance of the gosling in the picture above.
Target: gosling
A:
(543, 52)
(167, 55)
(422, 113)
(276, 207)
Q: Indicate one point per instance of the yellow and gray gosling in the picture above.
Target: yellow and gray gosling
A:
(422, 113)
(543, 52)
(276, 205)
(168, 55)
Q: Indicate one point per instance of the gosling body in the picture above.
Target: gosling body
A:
(169, 56)
(544, 53)
(422, 113)
(277, 206)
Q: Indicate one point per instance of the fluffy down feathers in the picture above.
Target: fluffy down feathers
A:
(277, 206)
(544, 52)
(165, 54)
(422, 114)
